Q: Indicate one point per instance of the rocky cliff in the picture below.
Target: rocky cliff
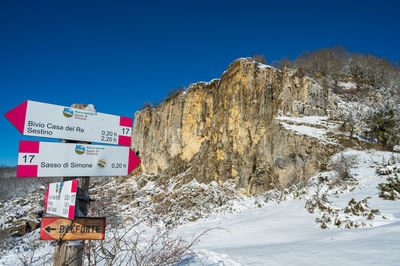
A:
(230, 128)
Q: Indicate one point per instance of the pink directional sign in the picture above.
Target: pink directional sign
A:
(54, 121)
(51, 159)
(61, 197)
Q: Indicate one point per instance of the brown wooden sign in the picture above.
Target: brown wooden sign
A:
(54, 228)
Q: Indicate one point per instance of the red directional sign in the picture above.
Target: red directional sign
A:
(51, 159)
(54, 121)
(54, 228)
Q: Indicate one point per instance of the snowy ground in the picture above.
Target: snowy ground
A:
(265, 232)
(286, 234)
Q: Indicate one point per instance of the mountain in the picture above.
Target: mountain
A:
(243, 126)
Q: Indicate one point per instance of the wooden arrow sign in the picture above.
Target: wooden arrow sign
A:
(61, 122)
(51, 159)
(54, 228)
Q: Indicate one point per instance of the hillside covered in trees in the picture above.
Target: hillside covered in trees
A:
(365, 70)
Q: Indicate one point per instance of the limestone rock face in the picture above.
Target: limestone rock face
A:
(227, 129)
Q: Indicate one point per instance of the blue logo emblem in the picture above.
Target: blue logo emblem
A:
(80, 149)
(68, 112)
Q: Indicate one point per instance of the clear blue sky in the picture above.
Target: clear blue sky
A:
(119, 54)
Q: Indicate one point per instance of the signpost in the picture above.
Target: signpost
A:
(69, 160)
(54, 121)
(60, 198)
(50, 159)
(54, 228)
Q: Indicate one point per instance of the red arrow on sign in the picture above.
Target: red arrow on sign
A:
(133, 161)
(17, 116)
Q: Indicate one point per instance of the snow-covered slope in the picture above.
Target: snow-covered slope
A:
(286, 234)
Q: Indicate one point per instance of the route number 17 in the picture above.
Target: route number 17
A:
(28, 158)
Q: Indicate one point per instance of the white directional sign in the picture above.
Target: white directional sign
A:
(61, 122)
(50, 159)
(60, 198)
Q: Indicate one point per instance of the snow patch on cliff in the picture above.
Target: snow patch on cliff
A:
(313, 126)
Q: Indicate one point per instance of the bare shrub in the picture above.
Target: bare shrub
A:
(162, 249)
(124, 249)
(342, 165)
(394, 159)
(104, 205)
(156, 103)
(323, 62)
(367, 70)
(259, 58)
(349, 123)
(146, 105)
(281, 64)
(174, 92)
(30, 257)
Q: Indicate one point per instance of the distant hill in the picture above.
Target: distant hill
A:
(11, 186)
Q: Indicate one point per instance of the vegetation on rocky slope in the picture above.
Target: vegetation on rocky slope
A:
(366, 70)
